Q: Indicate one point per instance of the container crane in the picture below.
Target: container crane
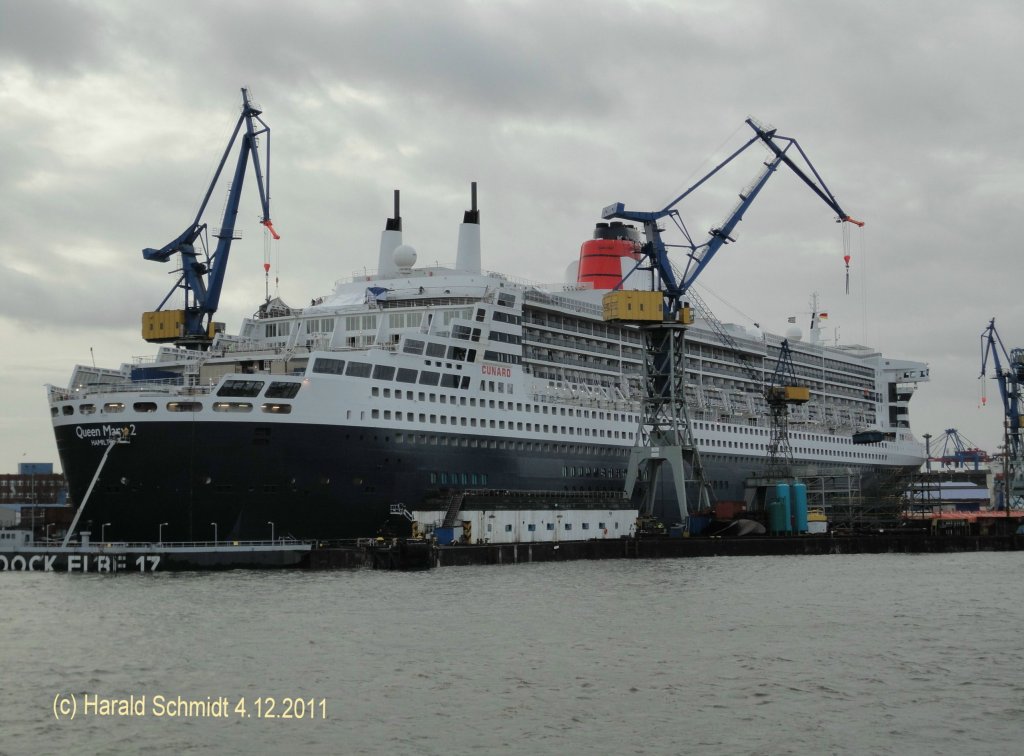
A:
(1009, 379)
(958, 451)
(202, 274)
(665, 433)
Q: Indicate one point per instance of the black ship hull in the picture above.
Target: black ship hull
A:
(336, 482)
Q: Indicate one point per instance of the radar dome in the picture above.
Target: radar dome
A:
(404, 256)
(793, 333)
(572, 272)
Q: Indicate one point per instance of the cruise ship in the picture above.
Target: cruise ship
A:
(419, 396)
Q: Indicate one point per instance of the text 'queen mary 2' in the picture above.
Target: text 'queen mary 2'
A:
(434, 392)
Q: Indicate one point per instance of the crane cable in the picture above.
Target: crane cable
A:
(846, 253)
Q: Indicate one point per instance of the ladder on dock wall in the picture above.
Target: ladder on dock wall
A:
(454, 505)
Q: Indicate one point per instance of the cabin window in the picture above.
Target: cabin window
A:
(328, 366)
(276, 409)
(359, 369)
(273, 330)
(240, 388)
(282, 390)
(232, 407)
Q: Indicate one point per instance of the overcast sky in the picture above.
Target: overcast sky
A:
(115, 113)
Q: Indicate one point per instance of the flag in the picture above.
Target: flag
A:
(792, 318)
(822, 316)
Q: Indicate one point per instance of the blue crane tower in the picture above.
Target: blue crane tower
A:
(202, 274)
(1010, 379)
(665, 435)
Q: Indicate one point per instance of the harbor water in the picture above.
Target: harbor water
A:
(879, 654)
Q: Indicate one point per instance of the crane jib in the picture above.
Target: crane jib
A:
(202, 281)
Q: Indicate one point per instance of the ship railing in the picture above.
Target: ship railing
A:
(475, 493)
(261, 346)
(592, 329)
(165, 386)
(548, 298)
(544, 340)
(619, 405)
(449, 301)
(563, 359)
(232, 543)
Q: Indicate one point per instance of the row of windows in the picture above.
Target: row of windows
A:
(750, 430)
(504, 317)
(457, 479)
(469, 442)
(473, 422)
(361, 323)
(112, 408)
(320, 325)
(276, 390)
(433, 349)
(802, 450)
(330, 366)
(507, 338)
(508, 359)
(571, 471)
(465, 333)
(273, 330)
(532, 526)
(500, 404)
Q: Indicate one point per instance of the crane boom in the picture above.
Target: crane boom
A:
(203, 279)
(655, 251)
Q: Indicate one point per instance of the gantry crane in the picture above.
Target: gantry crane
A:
(202, 274)
(1010, 379)
(958, 451)
(665, 433)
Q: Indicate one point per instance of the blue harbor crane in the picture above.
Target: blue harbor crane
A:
(958, 451)
(1009, 379)
(665, 434)
(202, 274)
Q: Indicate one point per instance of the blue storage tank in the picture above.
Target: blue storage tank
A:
(799, 507)
(775, 515)
(698, 524)
(781, 522)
